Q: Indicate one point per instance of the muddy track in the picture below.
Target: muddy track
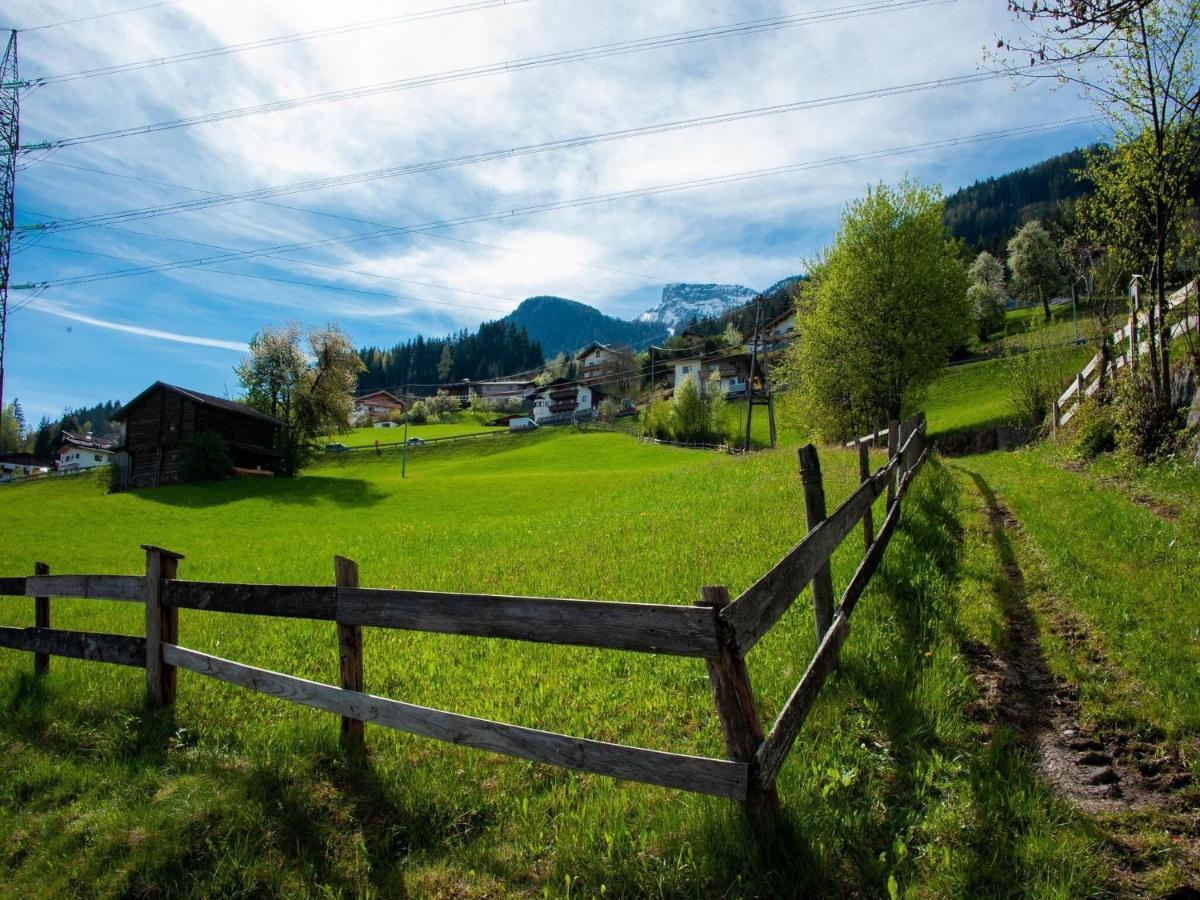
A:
(1101, 772)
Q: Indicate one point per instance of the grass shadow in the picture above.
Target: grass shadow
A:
(306, 490)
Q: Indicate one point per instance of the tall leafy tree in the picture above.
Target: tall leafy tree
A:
(1139, 61)
(1037, 269)
(889, 305)
(986, 295)
(309, 388)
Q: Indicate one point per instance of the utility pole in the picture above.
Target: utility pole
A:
(9, 144)
(750, 379)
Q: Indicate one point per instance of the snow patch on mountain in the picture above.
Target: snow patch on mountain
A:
(681, 303)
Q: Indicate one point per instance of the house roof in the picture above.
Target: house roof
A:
(594, 345)
(24, 459)
(778, 319)
(204, 399)
(89, 442)
(387, 396)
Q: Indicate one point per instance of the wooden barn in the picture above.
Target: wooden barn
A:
(162, 417)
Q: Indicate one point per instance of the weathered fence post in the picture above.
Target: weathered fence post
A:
(1055, 414)
(738, 714)
(162, 625)
(350, 654)
(892, 445)
(1080, 391)
(814, 509)
(864, 475)
(41, 619)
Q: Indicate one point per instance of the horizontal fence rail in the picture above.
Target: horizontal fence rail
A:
(1087, 381)
(690, 773)
(714, 629)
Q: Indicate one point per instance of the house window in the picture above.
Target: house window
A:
(687, 370)
(97, 455)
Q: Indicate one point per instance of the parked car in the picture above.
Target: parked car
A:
(336, 448)
(413, 442)
(522, 423)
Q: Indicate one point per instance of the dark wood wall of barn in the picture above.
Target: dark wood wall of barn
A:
(163, 419)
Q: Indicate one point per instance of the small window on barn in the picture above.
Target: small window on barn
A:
(97, 455)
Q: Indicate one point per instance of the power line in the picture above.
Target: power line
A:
(263, 277)
(619, 48)
(245, 46)
(209, 202)
(710, 181)
(92, 18)
(302, 262)
(357, 221)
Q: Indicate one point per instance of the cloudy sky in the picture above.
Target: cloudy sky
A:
(79, 340)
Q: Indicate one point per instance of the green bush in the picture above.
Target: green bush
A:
(1036, 374)
(689, 417)
(203, 457)
(1093, 431)
(1147, 427)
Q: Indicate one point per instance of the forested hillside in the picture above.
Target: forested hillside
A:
(989, 212)
(563, 326)
(497, 348)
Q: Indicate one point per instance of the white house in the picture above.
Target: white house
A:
(780, 328)
(596, 361)
(19, 465)
(564, 398)
(83, 451)
(731, 369)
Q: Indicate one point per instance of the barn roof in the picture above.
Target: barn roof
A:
(204, 399)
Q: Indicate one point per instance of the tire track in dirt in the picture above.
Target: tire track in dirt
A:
(1101, 772)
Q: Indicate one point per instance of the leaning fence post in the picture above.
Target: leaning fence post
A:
(892, 445)
(864, 475)
(41, 619)
(162, 625)
(814, 510)
(350, 655)
(738, 714)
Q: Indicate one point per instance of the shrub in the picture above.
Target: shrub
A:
(203, 457)
(690, 417)
(418, 413)
(656, 420)
(1146, 425)
(1093, 431)
(1036, 375)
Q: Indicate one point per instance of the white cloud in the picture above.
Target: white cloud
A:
(752, 232)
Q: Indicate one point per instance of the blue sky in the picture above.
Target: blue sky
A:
(108, 339)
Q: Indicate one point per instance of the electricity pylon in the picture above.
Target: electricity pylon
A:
(10, 109)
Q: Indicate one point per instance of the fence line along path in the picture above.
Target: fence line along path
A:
(1088, 380)
(716, 629)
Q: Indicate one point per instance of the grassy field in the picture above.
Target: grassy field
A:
(889, 787)
(366, 437)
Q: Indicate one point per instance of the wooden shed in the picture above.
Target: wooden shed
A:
(162, 417)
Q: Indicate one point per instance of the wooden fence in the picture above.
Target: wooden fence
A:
(715, 629)
(1127, 349)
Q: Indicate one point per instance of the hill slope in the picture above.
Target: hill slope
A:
(989, 212)
(563, 326)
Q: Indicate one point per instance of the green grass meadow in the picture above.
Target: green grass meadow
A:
(888, 789)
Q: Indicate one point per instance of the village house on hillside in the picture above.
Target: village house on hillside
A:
(732, 368)
(83, 451)
(160, 419)
(781, 328)
(18, 465)
(495, 391)
(596, 361)
(378, 406)
(562, 399)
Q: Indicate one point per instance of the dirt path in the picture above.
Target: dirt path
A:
(1100, 771)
